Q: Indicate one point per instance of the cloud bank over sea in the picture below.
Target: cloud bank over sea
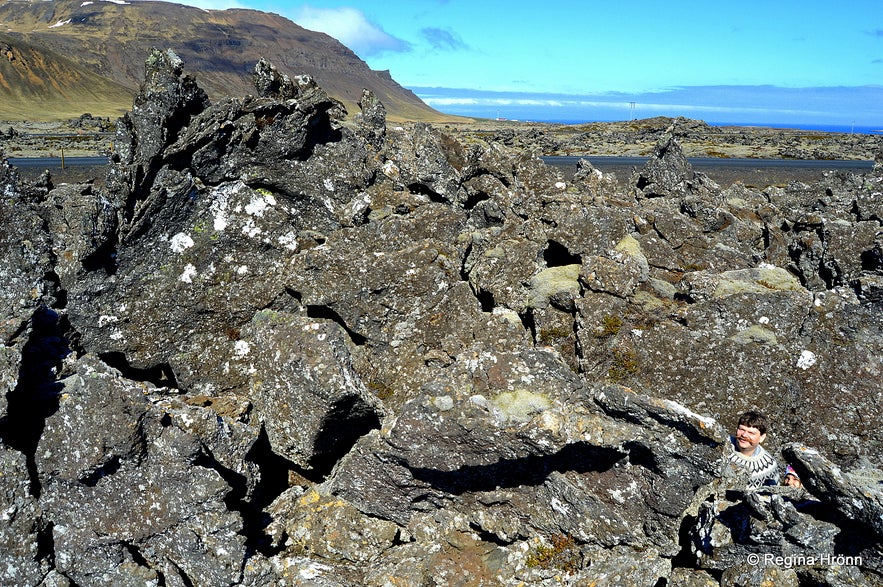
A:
(828, 106)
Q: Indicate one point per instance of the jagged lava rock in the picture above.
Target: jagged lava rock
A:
(280, 347)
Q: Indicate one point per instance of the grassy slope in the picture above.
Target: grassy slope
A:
(41, 85)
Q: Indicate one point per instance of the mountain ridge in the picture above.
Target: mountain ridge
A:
(219, 47)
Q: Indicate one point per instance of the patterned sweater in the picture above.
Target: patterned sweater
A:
(761, 467)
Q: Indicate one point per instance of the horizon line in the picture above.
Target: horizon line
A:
(756, 104)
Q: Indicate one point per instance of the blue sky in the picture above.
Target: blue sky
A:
(780, 61)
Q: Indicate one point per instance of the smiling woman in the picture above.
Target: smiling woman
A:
(747, 456)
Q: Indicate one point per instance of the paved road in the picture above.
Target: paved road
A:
(55, 162)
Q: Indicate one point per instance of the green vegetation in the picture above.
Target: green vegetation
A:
(625, 363)
(610, 326)
(201, 227)
(551, 334)
(380, 389)
(563, 554)
(688, 267)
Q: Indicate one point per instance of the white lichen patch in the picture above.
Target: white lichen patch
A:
(559, 506)
(624, 494)
(560, 185)
(390, 170)
(479, 363)
(242, 270)
(104, 320)
(241, 348)
(188, 274)
(328, 184)
(289, 241)
(180, 242)
(220, 221)
(807, 359)
(678, 408)
(260, 204)
(249, 229)
(220, 205)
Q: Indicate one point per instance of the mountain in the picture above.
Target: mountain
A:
(61, 58)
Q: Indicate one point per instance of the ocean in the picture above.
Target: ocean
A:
(845, 128)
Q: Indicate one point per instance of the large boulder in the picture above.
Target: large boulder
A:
(132, 495)
(856, 494)
(668, 173)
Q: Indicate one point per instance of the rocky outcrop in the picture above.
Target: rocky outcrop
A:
(277, 347)
(642, 137)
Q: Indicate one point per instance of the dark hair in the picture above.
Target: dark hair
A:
(754, 419)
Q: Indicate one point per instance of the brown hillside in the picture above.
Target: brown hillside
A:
(37, 84)
(219, 47)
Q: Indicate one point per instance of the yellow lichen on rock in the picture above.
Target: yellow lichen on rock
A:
(552, 281)
(521, 405)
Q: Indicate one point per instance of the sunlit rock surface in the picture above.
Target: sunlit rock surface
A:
(278, 348)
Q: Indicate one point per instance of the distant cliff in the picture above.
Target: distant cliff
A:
(61, 58)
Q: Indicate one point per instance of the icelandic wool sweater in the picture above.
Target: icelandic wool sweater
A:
(761, 467)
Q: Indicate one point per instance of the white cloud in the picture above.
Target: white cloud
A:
(352, 28)
(714, 103)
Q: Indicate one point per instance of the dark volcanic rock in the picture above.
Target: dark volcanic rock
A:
(22, 523)
(857, 495)
(280, 348)
(668, 173)
(141, 498)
